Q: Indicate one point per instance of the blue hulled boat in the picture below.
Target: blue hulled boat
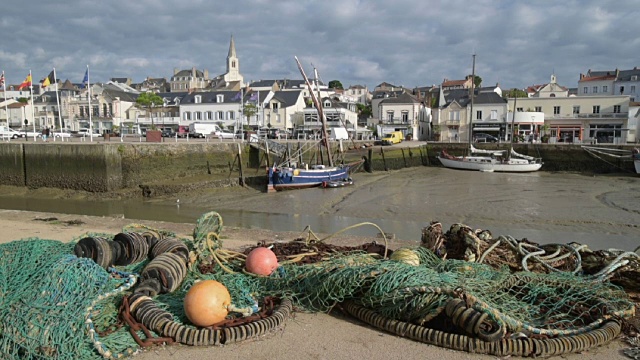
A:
(288, 178)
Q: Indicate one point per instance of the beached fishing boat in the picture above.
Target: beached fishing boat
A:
(490, 160)
(623, 154)
(288, 176)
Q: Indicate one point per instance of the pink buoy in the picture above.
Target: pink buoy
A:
(261, 261)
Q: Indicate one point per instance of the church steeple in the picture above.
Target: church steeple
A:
(232, 48)
(233, 64)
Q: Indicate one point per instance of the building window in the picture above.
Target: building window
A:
(479, 115)
(494, 114)
(595, 89)
(278, 119)
(220, 115)
(519, 109)
(231, 115)
(605, 88)
(198, 99)
(454, 115)
(576, 109)
(585, 90)
(616, 109)
(596, 109)
(208, 115)
(405, 116)
(621, 89)
(538, 109)
(390, 116)
(556, 110)
(633, 89)
(219, 98)
(186, 115)
(274, 106)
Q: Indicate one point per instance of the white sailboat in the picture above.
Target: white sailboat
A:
(623, 154)
(490, 160)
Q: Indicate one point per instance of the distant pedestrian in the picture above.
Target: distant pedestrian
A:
(455, 136)
(45, 133)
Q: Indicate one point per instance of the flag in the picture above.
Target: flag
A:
(253, 97)
(86, 79)
(238, 96)
(2, 79)
(25, 83)
(48, 80)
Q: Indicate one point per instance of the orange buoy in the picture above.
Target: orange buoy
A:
(261, 261)
(206, 303)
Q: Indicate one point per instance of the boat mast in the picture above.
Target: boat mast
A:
(473, 81)
(513, 119)
(314, 98)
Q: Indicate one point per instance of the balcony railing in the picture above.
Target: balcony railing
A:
(391, 121)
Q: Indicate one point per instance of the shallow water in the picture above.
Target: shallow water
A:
(600, 211)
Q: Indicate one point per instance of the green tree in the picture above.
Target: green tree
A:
(147, 101)
(335, 84)
(364, 111)
(249, 110)
(511, 93)
(477, 81)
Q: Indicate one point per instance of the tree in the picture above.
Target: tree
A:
(147, 101)
(249, 110)
(514, 93)
(477, 81)
(335, 84)
(364, 111)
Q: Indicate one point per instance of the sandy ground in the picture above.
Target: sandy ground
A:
(304, 336)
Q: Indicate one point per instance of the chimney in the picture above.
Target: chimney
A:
(175, 71)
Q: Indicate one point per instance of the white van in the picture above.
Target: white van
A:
(201, 130)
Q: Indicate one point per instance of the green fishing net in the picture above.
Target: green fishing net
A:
(54, 305)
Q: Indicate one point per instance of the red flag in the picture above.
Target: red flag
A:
(25, 83)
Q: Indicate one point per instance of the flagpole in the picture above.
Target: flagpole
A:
(33, 115)
(4, 88)
(90, 109)
(59, 109)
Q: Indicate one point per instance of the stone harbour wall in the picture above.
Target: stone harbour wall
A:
(167, 167)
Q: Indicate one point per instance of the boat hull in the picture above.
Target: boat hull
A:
(293, 178)
(488, 164)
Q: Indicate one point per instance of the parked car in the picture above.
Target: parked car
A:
(168, 133)
(273, 134)
(223, 134)
(84, 132)
(9, 133)
(482, 137)
(64, 133)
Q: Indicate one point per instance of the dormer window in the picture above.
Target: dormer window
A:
(220, 98)
(197, 99)
(327, 104)
(177, 101)
(634, 77)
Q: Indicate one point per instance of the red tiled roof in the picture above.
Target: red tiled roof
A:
(453, 82)
(595, 78)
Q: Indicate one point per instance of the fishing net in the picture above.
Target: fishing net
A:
(56, 305)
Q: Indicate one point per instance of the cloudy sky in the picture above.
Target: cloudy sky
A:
(403, 42)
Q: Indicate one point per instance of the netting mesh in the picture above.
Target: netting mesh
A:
(55, 305)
